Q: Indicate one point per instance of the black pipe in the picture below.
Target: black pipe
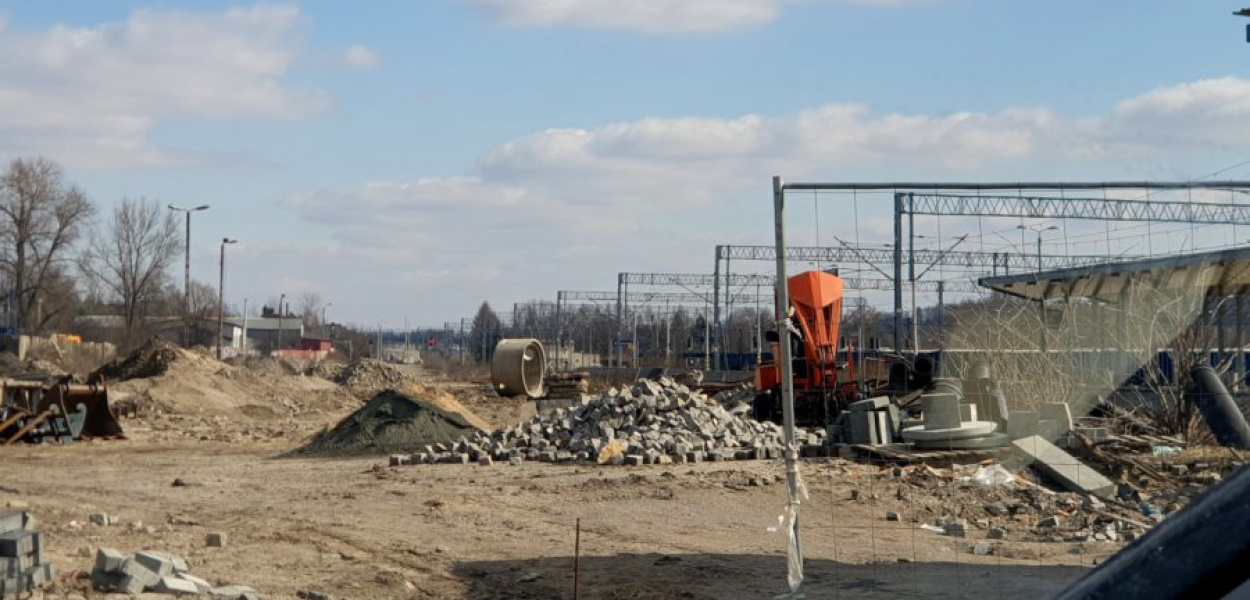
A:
(1218, 409)
(1198, 553)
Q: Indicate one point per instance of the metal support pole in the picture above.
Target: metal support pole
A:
(559, 331)
(911, 276)
(898, 271)
(716, 288)
(941, 292)
(787, 377)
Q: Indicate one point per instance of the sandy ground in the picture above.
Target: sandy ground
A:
(357, 529)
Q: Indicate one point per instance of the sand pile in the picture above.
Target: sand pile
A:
(390, 422)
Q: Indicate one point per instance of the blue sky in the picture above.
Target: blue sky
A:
(409, 159)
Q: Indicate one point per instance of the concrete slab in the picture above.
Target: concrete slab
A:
(941, 411)
(863, 427)
(973, 429)
(109, 560)
(1064, 468)
(1057, 419)
(1022, 424)
(870, 404)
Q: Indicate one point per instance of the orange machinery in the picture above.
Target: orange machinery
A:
(822, 386)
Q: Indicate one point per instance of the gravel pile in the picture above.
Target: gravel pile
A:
(650, 422)
(389, 422)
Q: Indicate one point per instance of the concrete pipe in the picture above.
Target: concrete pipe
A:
(517, 368)
(1219, 409)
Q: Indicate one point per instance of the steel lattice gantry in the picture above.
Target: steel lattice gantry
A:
(883, 256)
(904, 203)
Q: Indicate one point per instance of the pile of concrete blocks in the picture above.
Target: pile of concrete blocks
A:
(22, 568)
(873, 421)
(651, 422)
(156, 572)
(564, 390)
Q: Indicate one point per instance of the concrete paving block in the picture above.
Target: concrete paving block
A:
(1064, 467)
(19, 542)
(634, 460)
(1022, 424)
(109, 560)
(41, 575)
(12, 520)
(941, 411)
(397, 460)
(201, 586)
(12, 586)
(515, 460)
(138, 571)
(156, 562)
(176, 585)
(132, 585)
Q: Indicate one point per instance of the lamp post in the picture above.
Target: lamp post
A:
(186, 273)
(1041, 299)
(280, 311)
(1038, 230)
(221, 292)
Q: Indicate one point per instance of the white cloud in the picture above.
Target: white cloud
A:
(361, 57)
(647, 16)
(550, 209)
(91, 96)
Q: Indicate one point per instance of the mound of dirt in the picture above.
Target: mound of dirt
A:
(367, 376)
(390, 422)
(153, 358)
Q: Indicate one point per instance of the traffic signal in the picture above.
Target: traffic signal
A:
(430, 342)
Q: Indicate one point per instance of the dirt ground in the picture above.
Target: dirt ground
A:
(358, 529)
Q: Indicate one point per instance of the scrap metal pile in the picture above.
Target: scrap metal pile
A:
(63, 411)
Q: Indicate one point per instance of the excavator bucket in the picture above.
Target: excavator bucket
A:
(63, 411)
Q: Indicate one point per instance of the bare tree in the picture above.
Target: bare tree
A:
(485, 333)
(41, 216)
(131, 261)
(309, 309)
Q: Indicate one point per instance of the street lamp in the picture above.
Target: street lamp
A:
(221, 291)
(1038, 229)
(280, 311)
(186, 274)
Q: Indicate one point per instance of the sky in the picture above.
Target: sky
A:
(406, 160)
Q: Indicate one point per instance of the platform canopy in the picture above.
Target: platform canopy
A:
(1222, 272)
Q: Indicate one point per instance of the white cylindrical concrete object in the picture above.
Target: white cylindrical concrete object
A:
(517, 368)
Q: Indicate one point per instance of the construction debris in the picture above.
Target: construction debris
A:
(650, 422)
(22, 568)
(156, 572)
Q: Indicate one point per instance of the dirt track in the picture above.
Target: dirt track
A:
(356, 529)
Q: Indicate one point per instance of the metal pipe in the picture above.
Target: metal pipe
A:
(1047, 185)
(787, 368)
(898, 271)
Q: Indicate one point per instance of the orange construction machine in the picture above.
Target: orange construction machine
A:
(822, 386)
